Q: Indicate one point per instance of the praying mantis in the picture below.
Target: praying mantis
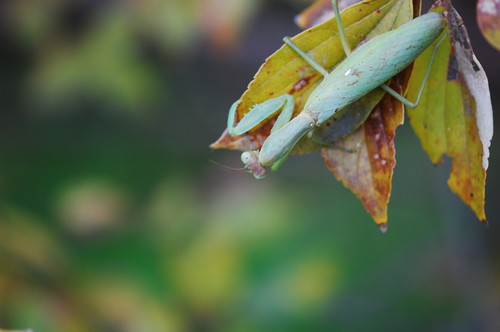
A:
(370, 66)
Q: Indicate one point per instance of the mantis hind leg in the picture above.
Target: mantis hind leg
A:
(402, 99)
(332, 145)
(260, 112)
(336, 146)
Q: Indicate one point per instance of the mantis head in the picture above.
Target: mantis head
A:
(252, 163)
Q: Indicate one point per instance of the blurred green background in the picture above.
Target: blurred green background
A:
(114, 219)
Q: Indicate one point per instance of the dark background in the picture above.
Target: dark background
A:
(113, 218)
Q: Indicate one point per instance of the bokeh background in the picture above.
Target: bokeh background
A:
(114, 219)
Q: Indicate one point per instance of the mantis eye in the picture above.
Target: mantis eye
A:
(248, 157)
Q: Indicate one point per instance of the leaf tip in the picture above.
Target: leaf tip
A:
(216, 145)
(219, 143)
(383, 227)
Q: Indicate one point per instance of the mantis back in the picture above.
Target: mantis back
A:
(372, 64)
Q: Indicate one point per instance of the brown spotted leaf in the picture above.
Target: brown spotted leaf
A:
(488, 19)
(454, 116)
(286, 72)
(364, 161)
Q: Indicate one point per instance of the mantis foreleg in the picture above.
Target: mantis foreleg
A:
(260, 112)
(255, 116)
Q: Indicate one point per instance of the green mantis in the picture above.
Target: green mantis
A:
(368, 67)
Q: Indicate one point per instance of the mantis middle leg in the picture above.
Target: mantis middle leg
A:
(402, 99)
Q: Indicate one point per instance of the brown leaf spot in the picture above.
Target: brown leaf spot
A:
(302, 83)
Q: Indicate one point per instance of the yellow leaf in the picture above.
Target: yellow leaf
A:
(488, 19)
(364, 161)
(454, 116)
